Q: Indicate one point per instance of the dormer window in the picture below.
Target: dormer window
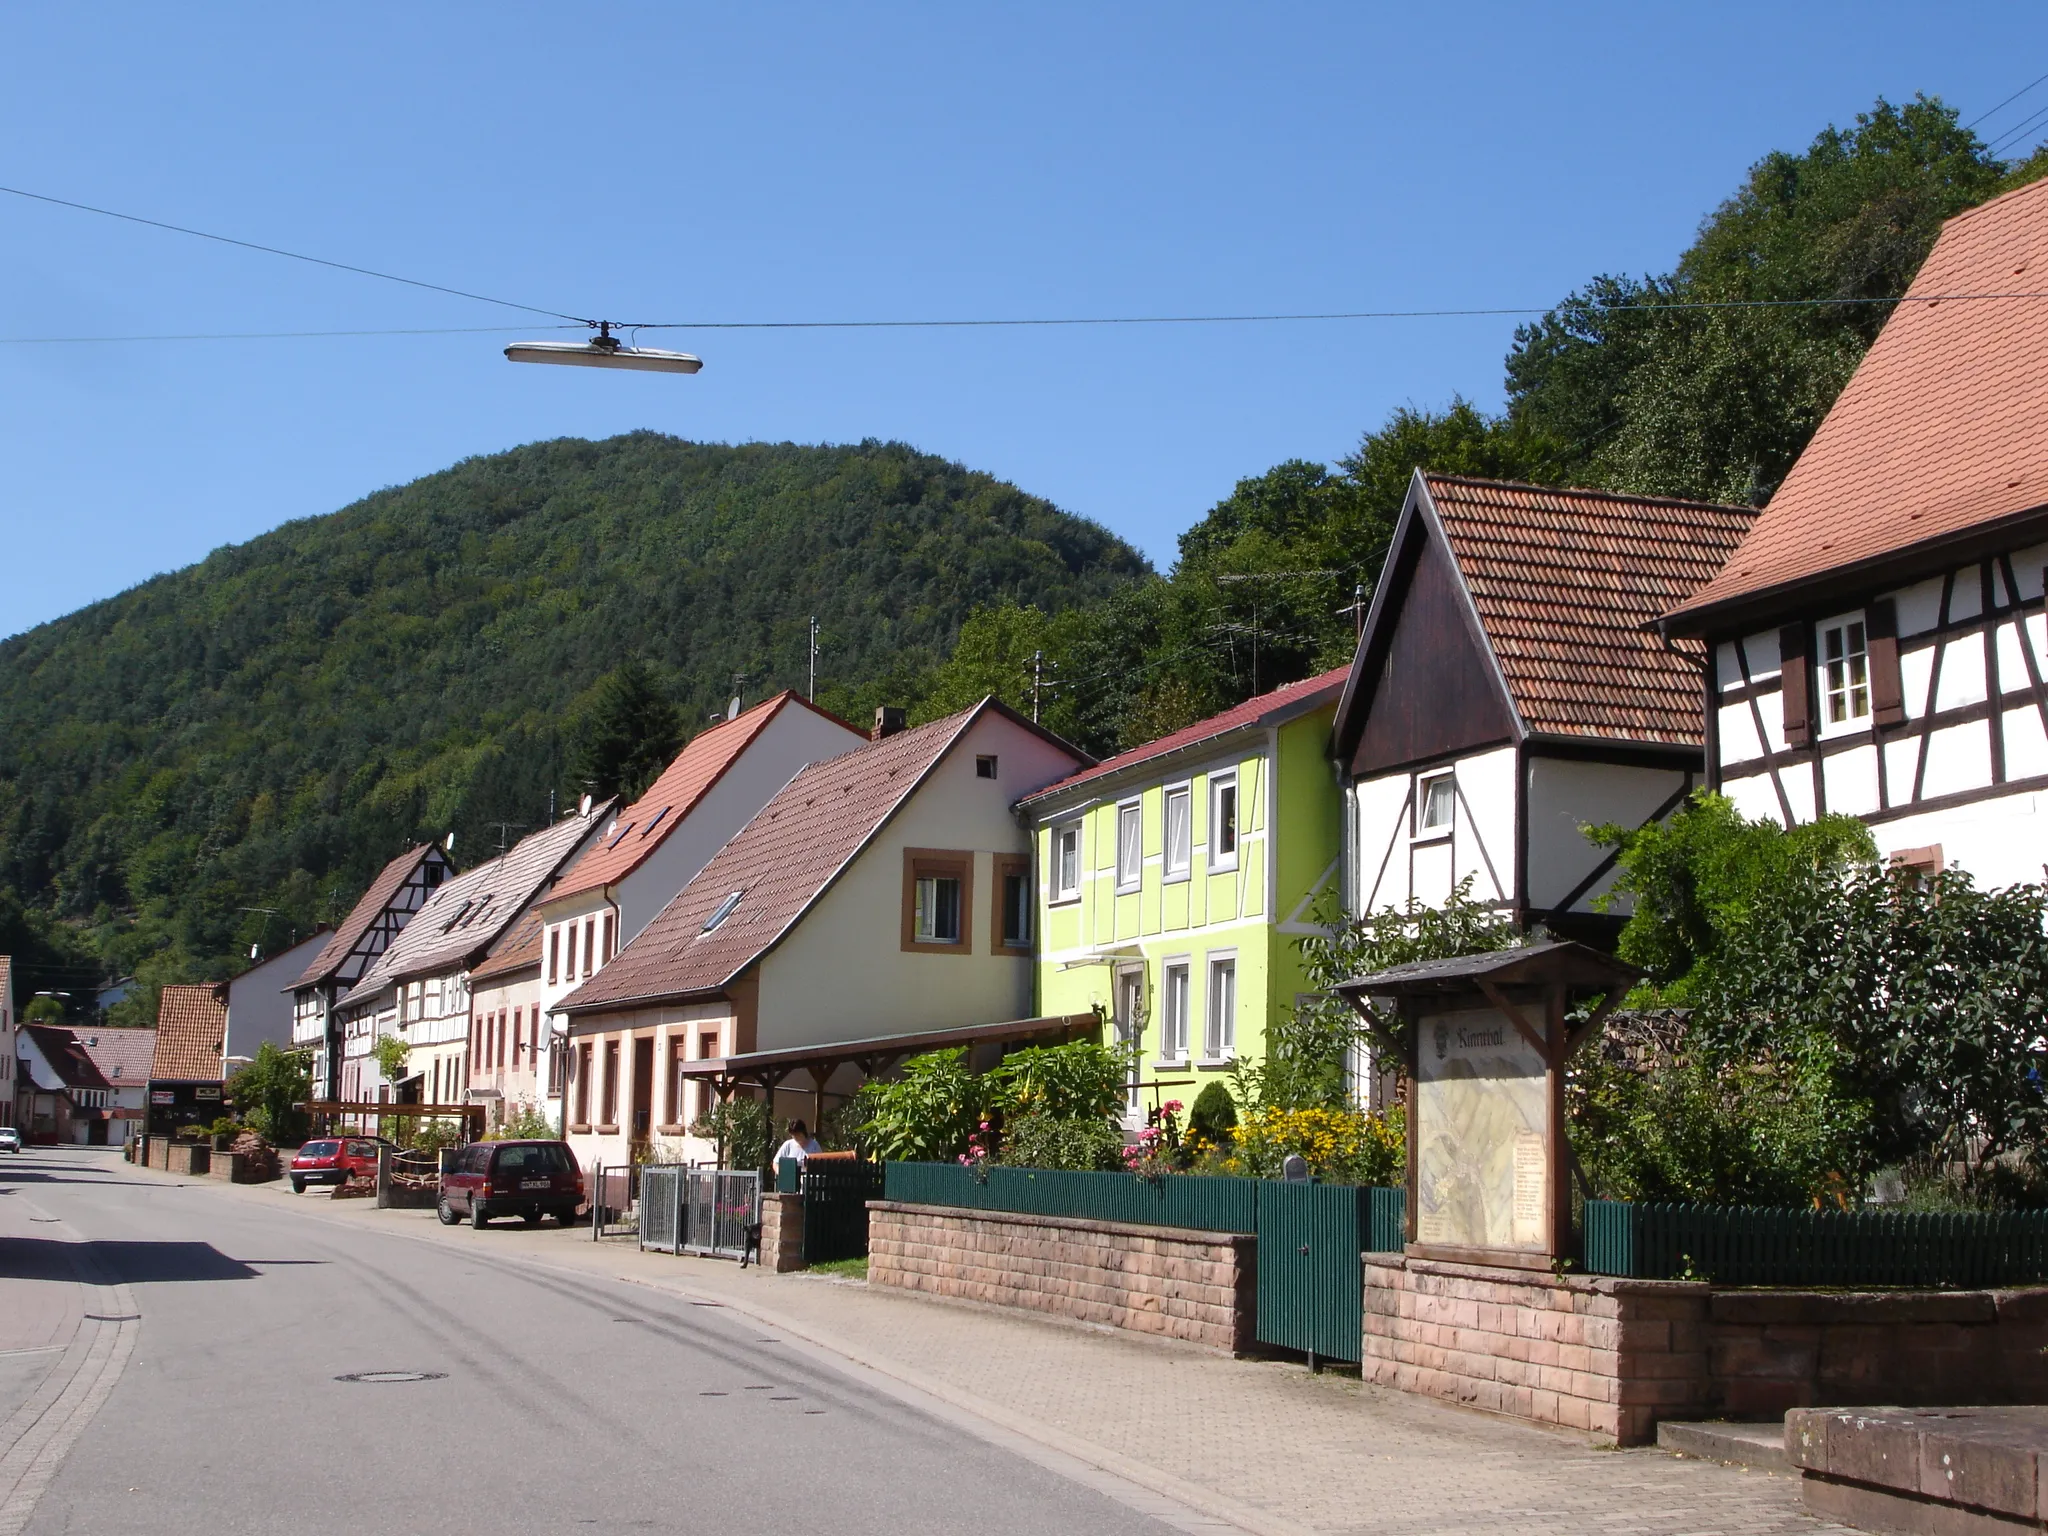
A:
(722, 911)
(460, 912)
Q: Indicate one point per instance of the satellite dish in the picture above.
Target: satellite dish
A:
(603, 350)
(449, 844)
(583, 808)
(732, 708)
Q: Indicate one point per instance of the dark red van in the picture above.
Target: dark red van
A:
(527, 1179)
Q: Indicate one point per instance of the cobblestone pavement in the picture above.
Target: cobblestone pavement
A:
(1261, 1444)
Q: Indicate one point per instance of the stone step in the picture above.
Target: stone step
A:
(1760, 1445)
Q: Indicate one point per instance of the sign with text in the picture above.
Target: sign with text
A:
(1482, 1149)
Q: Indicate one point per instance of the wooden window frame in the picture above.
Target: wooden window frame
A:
(1887, 685)
(1064, 895)
(1218, 861)
(1168, 871)
(1137, 881)
(1795, 683)
(554, 955)
(938, 863)
(1006, 865)
(1852, 625)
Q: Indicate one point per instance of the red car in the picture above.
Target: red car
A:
(527, 1179)
(332, 1161)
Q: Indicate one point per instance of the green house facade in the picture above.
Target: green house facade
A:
(1174, 881)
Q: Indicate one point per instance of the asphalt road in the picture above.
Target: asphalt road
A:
(552, 1402)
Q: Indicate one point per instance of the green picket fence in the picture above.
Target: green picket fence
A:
(1310, 1235)
(1749, 1245)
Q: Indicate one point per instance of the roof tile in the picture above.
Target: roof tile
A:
(191, 1026)
(1944, 426)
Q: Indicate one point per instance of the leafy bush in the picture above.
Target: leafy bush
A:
(927, 1114)
(391, 1053)
(430, 1134)
(1046, 1141)
(1341, 1146)
(1214, 1117)
(525, 1123)
(1078, 1081)
(267, 1089)
(740, 1128)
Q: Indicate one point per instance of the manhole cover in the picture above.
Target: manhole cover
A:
(384, 1378)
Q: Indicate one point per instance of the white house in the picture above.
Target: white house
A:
(418, 989)
(400, 889)
(1508, 690)
(851, 912)
(1878, 643)
(655, 847)
(261, 1000)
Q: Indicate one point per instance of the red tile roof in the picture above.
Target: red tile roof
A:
(124, 1056)
(645, 825)
(515, 952)
(466, 916)
(67, 1058)
(781, 862)
(1942, 430)
(375, 899)
(1567, 583)
(1258, 711)
(191, 1023)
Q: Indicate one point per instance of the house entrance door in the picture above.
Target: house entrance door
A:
(1128, 1010)
(643, 1087)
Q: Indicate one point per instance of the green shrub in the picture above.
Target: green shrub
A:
(740, 1128)
(1048, 1141)
(525, 1123)
(927, 1114)
(1078, 1081)
(1214, 1117)
(267, 1090)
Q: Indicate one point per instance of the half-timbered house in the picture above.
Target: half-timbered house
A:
(400, 889)
(1509, 688)
(1877, 642)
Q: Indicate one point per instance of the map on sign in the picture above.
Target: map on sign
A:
(1481, 1156)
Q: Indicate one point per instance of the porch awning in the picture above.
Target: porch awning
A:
(878, 1054)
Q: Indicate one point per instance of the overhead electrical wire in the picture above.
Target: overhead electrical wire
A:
(971, 323)
(2015, 96)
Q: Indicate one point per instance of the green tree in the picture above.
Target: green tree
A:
(268, 1090)
(623, 734)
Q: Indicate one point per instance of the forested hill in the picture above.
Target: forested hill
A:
(266, 727)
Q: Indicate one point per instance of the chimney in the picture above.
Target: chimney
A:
(888, 721)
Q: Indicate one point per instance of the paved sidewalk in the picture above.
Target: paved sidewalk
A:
(1261, 1444)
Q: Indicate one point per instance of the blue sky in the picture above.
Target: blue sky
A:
(836, 162)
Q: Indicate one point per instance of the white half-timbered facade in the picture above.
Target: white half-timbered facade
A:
(1507, 692)
(1878, 645)
(400, 889)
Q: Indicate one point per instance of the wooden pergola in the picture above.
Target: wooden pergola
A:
(768, 1070)
(471, 1115)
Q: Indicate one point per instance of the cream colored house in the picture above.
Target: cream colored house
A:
(507, 1038)
(864, 906)
(653, 848)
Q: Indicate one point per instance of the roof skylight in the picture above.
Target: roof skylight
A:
(722, 911)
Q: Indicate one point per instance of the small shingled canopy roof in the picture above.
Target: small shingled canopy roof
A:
(1578, 966)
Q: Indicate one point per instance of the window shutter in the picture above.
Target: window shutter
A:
(1796, 683)
(1887, 691)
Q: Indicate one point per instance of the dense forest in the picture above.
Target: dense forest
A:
(263, 729)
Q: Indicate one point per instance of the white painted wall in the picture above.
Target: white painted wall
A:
(1565, 796)
(842, 973)
(1481, 845)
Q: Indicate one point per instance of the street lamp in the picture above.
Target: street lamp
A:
(604, 350)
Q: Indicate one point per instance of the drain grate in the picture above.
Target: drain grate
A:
(391, 1378)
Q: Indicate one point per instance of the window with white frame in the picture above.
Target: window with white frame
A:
(1219, 1036)
(1130, 845)
(1173, 1011)
(1223, 821)
(1066, 862)
(1180, 832)
(1845, 672)
(1436, 805)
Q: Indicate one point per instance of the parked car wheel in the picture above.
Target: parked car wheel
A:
(446, 1212)
(298, 1186)
(567, 1216)
(479, 1214)
(529, 1217)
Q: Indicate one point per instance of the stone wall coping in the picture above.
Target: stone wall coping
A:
(1980, 1457)
(1067, 1223)
(1505, 1274)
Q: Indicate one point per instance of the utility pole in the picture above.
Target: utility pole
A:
(1356, 608)
(814, 658)
(1039, 686)
(1264, 576)
(507, 827)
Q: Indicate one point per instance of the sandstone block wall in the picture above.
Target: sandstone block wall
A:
(1612, 1357)
(1196, 1286)
(782, 1232)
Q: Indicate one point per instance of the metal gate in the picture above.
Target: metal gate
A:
(836, 1197)
(613, 1190)
(1310, 1285)
(698, 1210)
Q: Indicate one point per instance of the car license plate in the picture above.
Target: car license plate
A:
(534, 1183)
